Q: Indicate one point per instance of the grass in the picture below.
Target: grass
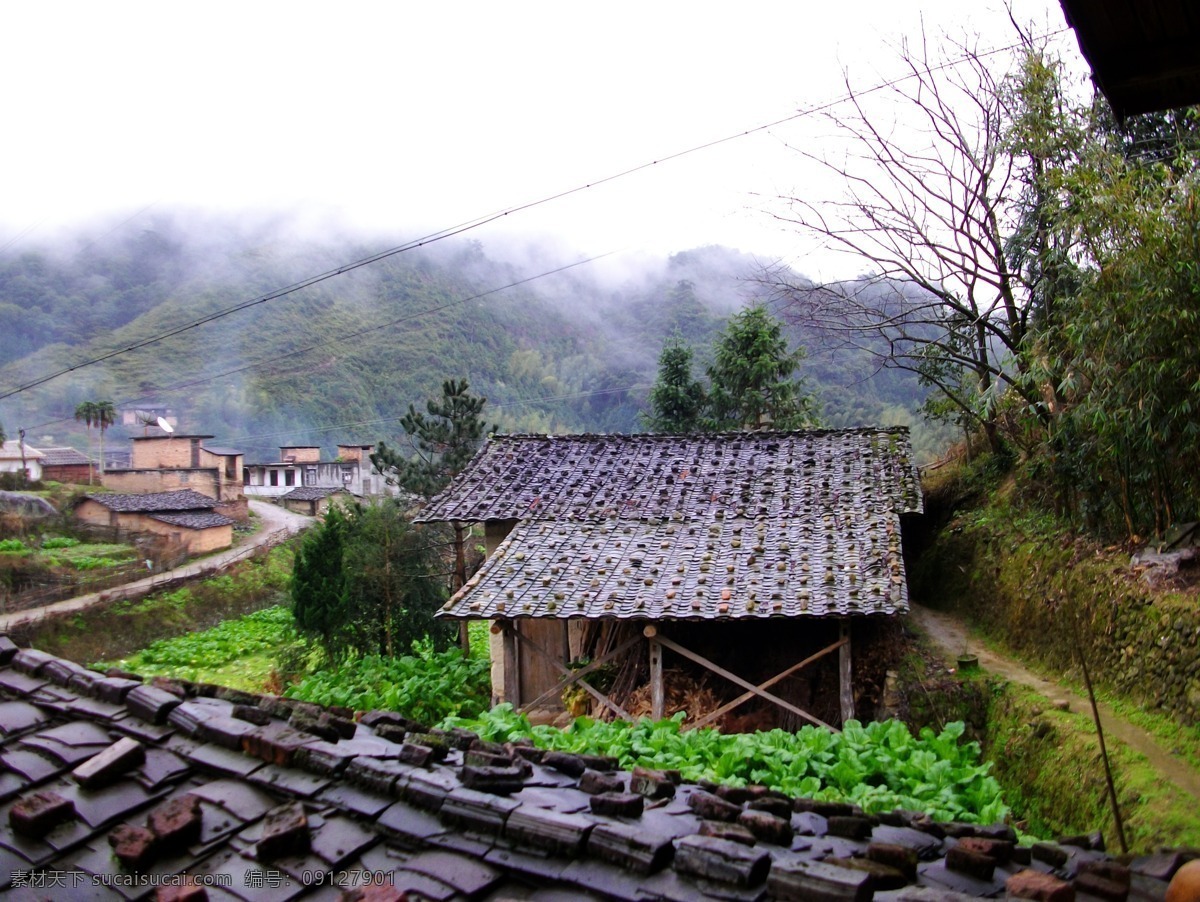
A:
(1049, 764)
(1179, 739)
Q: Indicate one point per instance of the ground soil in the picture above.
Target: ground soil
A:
(951, 636)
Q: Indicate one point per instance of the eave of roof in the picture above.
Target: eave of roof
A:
(107, 777)
(201, 520)
(149, 502)
(1143, 53)
(730, 568)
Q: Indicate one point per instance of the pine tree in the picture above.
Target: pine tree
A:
(752, 379)
(677, 399)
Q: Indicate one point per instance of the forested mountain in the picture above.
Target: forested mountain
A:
(342, 359)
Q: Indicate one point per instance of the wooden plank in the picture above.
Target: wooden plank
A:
(591, 690)
(584, 671)
(746, 696)
(657, 693)
(512, 664)
(734, 678)
(540, 672)
(846, 673)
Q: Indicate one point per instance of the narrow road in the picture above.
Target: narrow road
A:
(950, 635)
(277, 525)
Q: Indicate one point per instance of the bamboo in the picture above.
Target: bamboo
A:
(1112, 789)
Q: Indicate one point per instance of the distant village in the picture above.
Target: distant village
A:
(187, 491)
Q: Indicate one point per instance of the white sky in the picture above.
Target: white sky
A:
(406, 118)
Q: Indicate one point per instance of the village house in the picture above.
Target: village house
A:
(301, 466)
(165, 462)
(314, 501)
(187, 519)
(147, 415)
(18, 457)
(68, 465)
(767, 565)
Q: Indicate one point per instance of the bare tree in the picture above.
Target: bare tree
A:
(925, 178)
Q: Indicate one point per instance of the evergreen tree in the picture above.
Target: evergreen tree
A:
(368, 580)
(318, 599)
(677, 399)
(443, 441)
(752, 378)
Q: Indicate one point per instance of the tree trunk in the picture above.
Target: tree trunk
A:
(460, 579)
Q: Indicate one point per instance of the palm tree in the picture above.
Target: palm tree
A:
(96, 413)
(106, 414)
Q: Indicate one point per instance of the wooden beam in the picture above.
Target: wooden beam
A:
(658, 701)
(734, 678)
(562, 668)
(746, 696)
(577, 675)
(512, 663)
(846, 673)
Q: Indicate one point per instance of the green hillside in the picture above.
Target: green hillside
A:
(341, 360)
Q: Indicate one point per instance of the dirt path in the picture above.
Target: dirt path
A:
(277, 525)
(950, 635)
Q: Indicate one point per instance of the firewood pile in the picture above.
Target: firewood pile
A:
(681, 692)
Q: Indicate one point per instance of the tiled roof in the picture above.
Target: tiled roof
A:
(314, 492)
(703, 527)
(110, 785)
(64, 457)
(155, 502)
(201, 520)
(11, 450)
(729, 568)
(774, 474)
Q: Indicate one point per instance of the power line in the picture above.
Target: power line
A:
(352, 335)
(469, 225)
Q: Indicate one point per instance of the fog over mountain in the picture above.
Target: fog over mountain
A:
(555, 344)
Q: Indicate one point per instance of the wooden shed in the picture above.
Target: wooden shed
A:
(730, 552)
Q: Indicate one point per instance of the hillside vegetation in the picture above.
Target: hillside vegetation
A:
(341, 360)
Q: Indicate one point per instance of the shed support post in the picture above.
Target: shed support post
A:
(512, 664)
(657, 693)
(845, 673)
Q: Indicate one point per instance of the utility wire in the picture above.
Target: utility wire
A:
(350, 335)
(469, 225)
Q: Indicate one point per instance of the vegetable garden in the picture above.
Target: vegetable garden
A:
(879, 766)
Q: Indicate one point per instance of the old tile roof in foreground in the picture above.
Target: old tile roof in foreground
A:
(155, 502)
(110, 786)
(732, 526)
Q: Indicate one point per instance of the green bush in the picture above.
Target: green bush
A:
(59, 542)
(9, 546)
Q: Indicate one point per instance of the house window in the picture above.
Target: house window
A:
(289, 477)
(274, 477)
(310, 475)
(347, 475)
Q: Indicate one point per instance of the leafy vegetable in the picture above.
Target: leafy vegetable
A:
(879, 766)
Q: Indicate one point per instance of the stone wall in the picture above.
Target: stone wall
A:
(1036, 589)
